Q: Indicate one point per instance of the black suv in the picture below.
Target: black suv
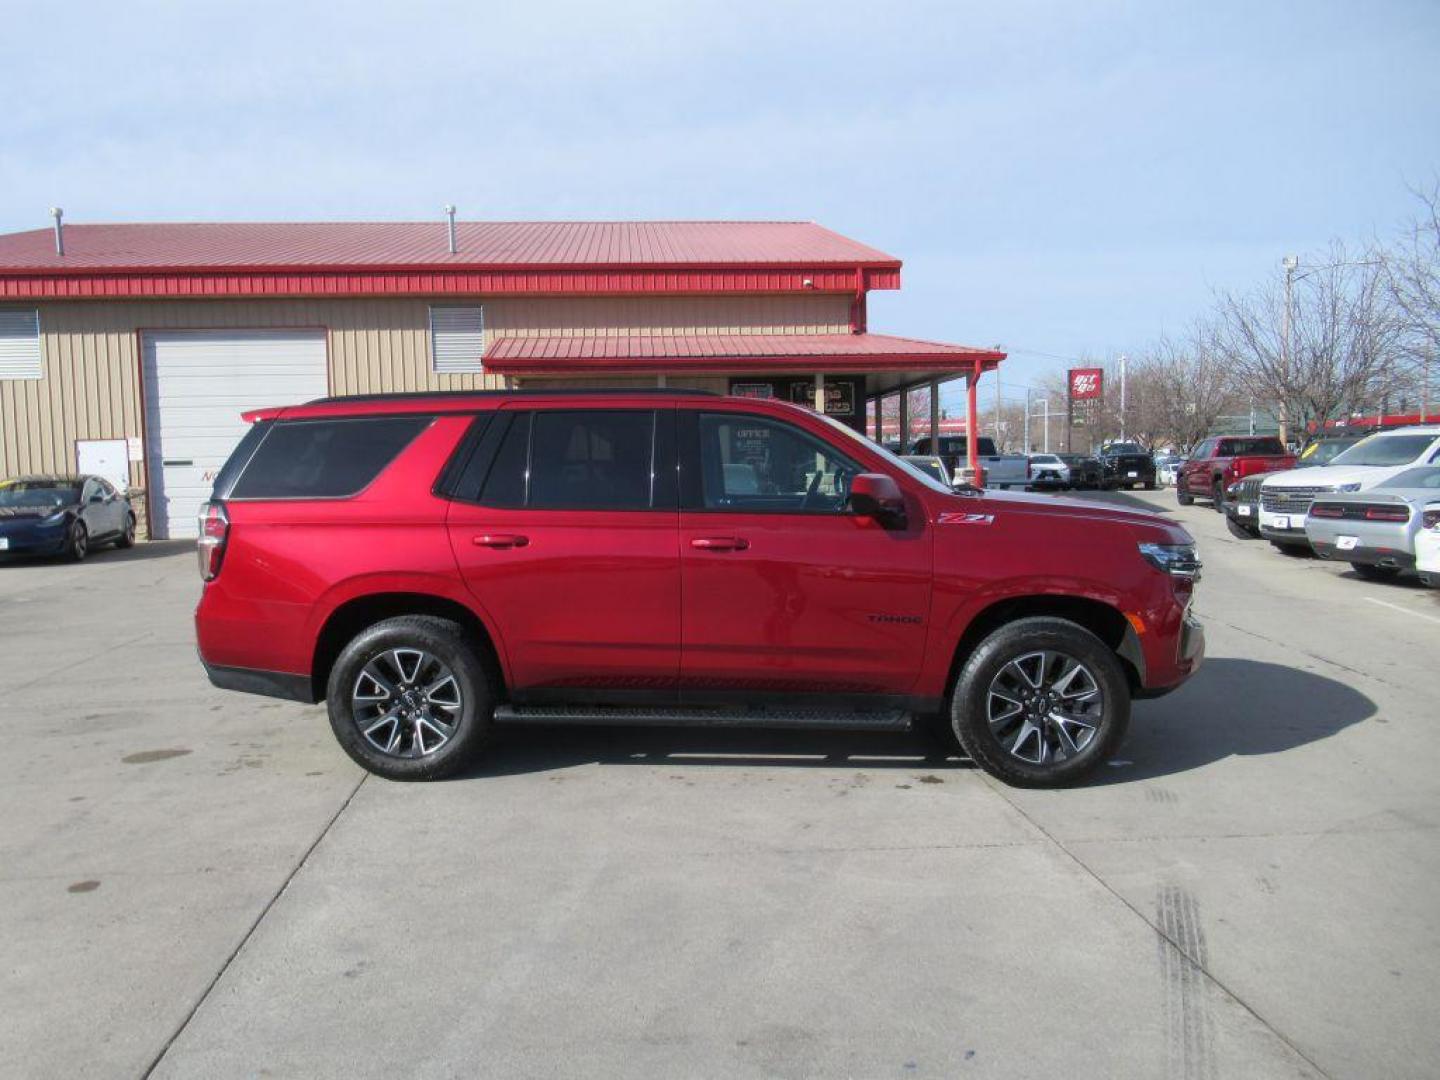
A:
(1127, 465)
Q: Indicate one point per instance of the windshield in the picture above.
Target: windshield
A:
(1322, 453)
(1045, 459)
(1426, 476)
(892, 459)
(1385, 450)
(1125, 448)
(37, 493)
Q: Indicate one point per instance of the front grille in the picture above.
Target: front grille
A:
(1250, 489)
(1290, 500)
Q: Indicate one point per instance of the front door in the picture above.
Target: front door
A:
(567, 539)
(786, 590)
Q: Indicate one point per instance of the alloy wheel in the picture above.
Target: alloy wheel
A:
(1044, 707)
(406, 703)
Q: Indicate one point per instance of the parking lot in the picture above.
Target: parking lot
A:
(201, 883)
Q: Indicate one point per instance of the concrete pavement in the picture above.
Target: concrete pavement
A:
(202, 883)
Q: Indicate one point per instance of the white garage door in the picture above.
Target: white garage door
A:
(197, 383)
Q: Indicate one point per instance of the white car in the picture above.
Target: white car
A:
(1047, 470)
(1166, 469)
(1427, 546)
(1285, 497)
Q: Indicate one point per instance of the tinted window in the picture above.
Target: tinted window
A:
(1125, 448)
(37, 493)
(510, 472)
(752, 463)
(593, 460)
(1426, 476)
(324, 459)
(235, 463)
(1263, 445)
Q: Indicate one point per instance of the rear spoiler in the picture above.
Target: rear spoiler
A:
(272, 413)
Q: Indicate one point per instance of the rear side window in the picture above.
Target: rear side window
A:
(591, 460)
(238, 459)
(324, 459)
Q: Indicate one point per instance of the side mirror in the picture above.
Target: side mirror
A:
(877, 495)
(98, 497)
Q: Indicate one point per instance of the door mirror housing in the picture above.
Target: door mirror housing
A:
(877, 495)
(97, 497)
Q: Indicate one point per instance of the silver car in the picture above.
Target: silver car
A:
(1374, 531)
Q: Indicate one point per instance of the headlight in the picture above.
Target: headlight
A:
(1234, 489)
(1349, 487)
(1177, 560)
(54, 519)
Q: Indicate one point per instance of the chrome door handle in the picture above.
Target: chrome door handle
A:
(500, 540)
(720, 543)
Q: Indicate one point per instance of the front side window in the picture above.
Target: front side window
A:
(324, 459)
(755, 464)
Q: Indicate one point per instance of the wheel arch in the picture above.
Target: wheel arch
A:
(1103, 620)
(354, 615)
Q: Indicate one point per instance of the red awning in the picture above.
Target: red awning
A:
(652, 354)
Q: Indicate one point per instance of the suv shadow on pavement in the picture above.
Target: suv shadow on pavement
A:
(1236, 707)
(536, 748)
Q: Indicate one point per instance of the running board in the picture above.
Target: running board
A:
(663, 716)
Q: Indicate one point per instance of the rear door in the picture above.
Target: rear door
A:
(565, 529)
(786, 590)
(1193, 478)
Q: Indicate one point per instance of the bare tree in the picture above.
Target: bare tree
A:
(1412, 268)
(1329, 356)
(1179, 392)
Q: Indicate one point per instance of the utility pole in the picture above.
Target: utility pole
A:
(1046, 399)
(1290, 263)
(1425, 383)
(998, 443)
(1028, 392)
(1122, 396)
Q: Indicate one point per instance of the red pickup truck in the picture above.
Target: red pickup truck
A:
(1222, 459)
(436, 565)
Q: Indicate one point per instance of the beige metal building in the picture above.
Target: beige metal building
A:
(131, 350)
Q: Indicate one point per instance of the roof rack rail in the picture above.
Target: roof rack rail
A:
(411, 395)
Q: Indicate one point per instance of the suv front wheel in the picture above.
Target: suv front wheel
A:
(409, 698)
(1040, 703)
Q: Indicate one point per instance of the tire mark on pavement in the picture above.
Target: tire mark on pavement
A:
(1189, 1021)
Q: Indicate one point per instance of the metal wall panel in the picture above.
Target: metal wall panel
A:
(90, 386)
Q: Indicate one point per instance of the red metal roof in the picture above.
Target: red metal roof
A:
(830, 352)
(487, 244)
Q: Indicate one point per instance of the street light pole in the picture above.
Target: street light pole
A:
(1290, 263)
(1046, 399)
(1122, 396)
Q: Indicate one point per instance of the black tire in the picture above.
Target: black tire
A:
(1217, 496)
(449, 644)
(127, 534)
(1367, 572)
(1238, 530)
(77, 542)
(1181, 497)
(969, 703)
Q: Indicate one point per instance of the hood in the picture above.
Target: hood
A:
(1076, 512)
(1366, 476)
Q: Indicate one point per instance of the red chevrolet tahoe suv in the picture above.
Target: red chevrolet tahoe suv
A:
(435, 565)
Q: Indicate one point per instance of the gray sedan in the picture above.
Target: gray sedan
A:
(1374, 531)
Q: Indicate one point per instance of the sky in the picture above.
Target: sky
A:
(1061, 179)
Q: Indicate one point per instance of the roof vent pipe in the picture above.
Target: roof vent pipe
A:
(59, 216)
(450, 227)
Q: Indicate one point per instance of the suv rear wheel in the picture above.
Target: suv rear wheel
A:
(410, 699)
(1040, 703)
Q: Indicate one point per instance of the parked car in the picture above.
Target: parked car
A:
(1049, 471)
(1427, 545)
(1085, 471)
(931, 466)
(63, 515)
(434, 565)
(1127, 465)
(1001, 471)
(1374, 531)
(1242, 498)
(1221, 460)
(1166, 467)
(1285, 498)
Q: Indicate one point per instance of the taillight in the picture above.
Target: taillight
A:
(1325, 511)
(1431, 519)
(1387, 513)
(214, 530)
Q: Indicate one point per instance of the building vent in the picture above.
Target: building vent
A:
(457, 340)
(19, 343)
